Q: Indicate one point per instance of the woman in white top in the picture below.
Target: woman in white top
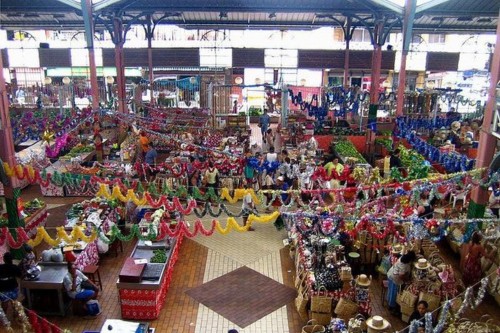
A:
(397, 275)
(271, 156)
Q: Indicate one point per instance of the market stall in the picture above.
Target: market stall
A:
(145, 277)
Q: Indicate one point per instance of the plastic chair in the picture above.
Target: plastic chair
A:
(459, 196)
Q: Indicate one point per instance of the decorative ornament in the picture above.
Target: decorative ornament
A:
(48, 136)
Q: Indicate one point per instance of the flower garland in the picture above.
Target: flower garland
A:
(5, 321)
(23, 319)
(42, 235)
(182, 229)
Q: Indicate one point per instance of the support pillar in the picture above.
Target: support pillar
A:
(375, 78)
(487, 142)
(149, 35)
(118, 40)
(347, 37)
(12, 191)
(409, 16)
(89, 36)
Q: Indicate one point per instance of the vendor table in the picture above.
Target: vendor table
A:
(144, 300)
(40, 293)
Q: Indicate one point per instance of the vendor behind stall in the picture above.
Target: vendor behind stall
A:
(99, 146)
(419, 314)
(397, 275)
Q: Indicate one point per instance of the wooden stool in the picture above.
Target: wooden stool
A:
(385, 287)
(92, 271)
(113, 247)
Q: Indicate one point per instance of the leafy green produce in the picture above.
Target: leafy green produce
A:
(159, 256)
(346, 149)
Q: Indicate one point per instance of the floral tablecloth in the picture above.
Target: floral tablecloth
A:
(89, 256)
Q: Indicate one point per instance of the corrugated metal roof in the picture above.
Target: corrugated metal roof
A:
(450, 16)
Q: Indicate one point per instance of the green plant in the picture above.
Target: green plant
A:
(242, 113)
(253, 111)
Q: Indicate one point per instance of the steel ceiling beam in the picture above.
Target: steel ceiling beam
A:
(389, 5)
(104, 4)
(428, 5)
(71, 3)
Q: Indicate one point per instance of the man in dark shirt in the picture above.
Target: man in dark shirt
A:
(8, 281)
(395, 160)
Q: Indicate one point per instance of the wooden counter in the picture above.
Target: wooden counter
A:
(144, 300)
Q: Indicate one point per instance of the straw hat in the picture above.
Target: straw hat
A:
(422, 264)
(363, 280)
(397, 248)
(377, 324)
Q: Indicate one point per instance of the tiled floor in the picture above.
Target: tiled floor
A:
(243, 296)
(203, 259)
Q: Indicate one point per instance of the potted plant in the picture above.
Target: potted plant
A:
(254, 114)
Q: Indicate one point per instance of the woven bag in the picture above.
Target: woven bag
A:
(311, 327)
(346, 308)
(407, 298)
(301, 302)
(321, 303)
(432, 299)
(321, 318)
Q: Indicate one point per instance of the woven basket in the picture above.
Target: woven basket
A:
(312, 327)
(346, 308)
(321, 303)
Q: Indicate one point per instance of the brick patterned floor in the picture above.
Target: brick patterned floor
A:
(243, 296)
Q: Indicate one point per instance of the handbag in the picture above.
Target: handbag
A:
(433, 300)
(310, 327)
(321, 303)
(301, 302)
(407, 298)
(346, 308)
(321, 318)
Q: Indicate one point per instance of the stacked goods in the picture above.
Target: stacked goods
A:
(370, 248)
(407, 302)
(321, 307)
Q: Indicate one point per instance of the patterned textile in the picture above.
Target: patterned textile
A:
(472, 270)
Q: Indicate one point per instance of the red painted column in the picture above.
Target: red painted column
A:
(93, 68)
(487, 142)
(401, 85)
(120, 75)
